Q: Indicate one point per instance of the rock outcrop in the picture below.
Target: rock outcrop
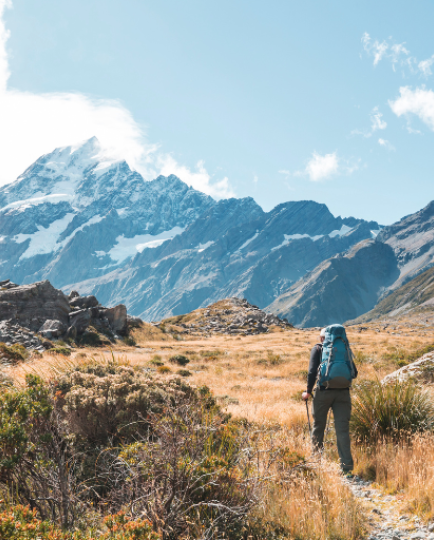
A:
(30, 314)
(30, 306)
(422, 371)
(232, 316)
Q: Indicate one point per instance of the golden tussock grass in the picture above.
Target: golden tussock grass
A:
(261, 378)
(405, 469)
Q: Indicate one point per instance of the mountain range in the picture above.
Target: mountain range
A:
(88, 222)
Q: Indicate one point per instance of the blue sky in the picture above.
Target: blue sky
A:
(331, 101)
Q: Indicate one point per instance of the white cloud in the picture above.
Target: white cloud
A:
(322, 167)
(386, 144)
(419, 102)
(35, 124)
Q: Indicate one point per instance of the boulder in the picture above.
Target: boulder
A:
(422, 371)
(52, 328)
(84, 302)
(31, 305)
(73, 294)
(117, 317)
(79, 320)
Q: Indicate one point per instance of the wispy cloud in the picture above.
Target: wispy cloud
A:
(397, 54)
(34, 124)
(199, 178)
(386, 144)
(425, 66)
(377, 123)
(418, 102)
(376, 120)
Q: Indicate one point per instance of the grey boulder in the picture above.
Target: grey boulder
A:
(52, 329)
(84, 302)
(79, 320)
(118, 319)
(31, 305)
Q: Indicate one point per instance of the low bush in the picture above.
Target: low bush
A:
(21, 523)
(183, 372)
(179, 359)
(90, 339)
(130, 341)
(15, 352)
(163, 370)
(60, 350)
(390, 411)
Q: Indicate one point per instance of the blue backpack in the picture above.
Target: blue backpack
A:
(337, 367)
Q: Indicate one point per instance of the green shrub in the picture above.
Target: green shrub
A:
(14, 352)
(60, 350)
(156, 362)
(390, 411)
(130, 341)
(90, 339)
(105, 438)
(179, 359)
(183, 372)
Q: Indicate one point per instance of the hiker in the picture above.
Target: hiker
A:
(331, 366)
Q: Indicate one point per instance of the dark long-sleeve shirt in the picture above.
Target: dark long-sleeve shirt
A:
(314, 362)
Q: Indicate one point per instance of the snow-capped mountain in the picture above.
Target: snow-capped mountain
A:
(85, 221)
(75, 213)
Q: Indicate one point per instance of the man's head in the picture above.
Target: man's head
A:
(322, 335)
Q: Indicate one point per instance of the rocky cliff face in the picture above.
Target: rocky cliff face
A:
(340, 288)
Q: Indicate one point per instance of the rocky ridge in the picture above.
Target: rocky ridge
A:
(232, 316)
(340, 288)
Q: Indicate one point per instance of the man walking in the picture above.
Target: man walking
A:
(332, 367)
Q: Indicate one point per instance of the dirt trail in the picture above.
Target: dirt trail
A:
(386, 517)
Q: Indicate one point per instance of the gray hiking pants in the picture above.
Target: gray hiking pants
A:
(340, 402)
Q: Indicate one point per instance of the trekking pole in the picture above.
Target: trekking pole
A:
(308, 417)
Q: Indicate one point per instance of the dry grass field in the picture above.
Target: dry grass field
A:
(261, 377)
(258, 377)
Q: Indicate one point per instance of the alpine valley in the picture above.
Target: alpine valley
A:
(86, 222)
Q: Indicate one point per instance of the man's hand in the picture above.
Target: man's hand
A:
(305, 396)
